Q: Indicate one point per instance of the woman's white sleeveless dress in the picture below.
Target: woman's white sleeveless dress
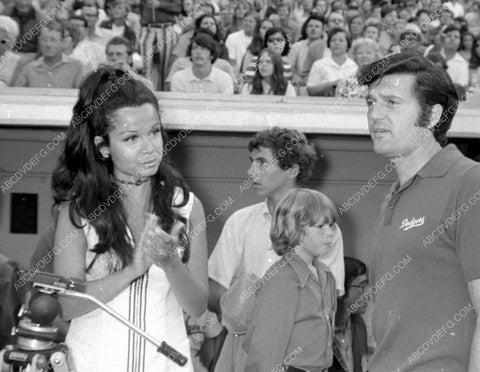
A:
(100, 343)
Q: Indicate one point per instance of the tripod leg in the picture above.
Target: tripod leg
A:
(4, 367)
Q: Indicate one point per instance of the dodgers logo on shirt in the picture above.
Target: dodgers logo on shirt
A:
(413, 222)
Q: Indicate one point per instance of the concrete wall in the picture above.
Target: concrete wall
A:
(213, 157)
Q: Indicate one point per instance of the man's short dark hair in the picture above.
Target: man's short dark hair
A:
(204, 38)
(432, 86)
(451, 28)
(289, 147)
(315, 17)
(387, 9)
(120, 40)
(420, 12)
(79, 18)
(55, 26)
(110, 3)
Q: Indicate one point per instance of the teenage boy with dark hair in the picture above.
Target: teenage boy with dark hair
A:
(202, 77)
(281, 159)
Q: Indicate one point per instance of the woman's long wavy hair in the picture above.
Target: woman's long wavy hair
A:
(84, 179)
(278, 83)
(257, 42)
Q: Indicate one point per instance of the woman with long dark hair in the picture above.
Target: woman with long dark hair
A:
(466, 44)
(123, 208)
(269, 77)
(257, 43)
(278, 42)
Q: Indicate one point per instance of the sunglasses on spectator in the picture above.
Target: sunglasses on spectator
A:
(275, 39)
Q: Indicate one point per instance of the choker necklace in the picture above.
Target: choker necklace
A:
(136, 183)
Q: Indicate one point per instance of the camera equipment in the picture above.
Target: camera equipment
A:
(36, 349)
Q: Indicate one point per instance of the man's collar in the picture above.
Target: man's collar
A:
(40, 62)
(264, 210)
(441, 163)
(209, 77)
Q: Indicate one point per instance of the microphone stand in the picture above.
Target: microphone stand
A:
(36, 350)
(162, 347)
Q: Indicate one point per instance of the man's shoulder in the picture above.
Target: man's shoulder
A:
(181, 75)
(298, 45)
(452, 167)
(32, 65)
(459, 59)
(220, 74)
(73, 62)
(469, 168)
(247, 213)
(222, 64)
(235, 36)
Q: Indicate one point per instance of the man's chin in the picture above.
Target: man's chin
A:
(260, 192)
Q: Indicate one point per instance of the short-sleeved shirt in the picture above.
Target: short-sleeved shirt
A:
(292, 321)
(326, 70)
(425, 249)
(67, 73)
(183, 63)
(237, 44)
(216, 82)
(244, 247)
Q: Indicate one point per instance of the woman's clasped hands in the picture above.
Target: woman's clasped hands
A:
(158, 247)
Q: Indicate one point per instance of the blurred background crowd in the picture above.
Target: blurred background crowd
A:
(276, 47)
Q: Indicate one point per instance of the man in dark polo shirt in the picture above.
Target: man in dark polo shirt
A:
(425, 266)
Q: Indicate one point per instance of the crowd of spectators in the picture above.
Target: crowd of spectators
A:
(271, 47)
